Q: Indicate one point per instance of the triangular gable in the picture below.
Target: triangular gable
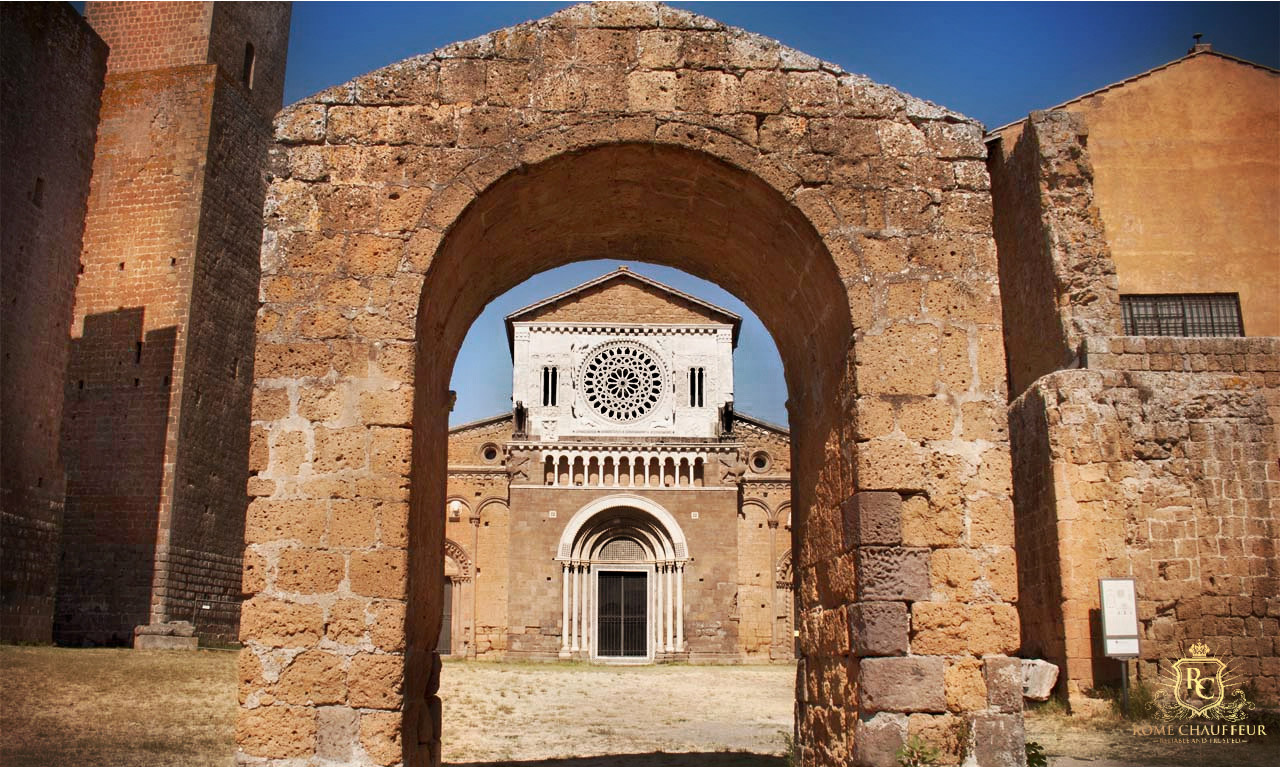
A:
(622, 296)
(995, 133)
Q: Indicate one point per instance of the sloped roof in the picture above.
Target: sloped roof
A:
(1205, 51)
(622, 273)
(493, 419)
(761, 423)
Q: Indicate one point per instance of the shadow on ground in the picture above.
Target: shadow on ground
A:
(718, 759)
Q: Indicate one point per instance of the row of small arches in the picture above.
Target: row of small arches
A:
(624, 471)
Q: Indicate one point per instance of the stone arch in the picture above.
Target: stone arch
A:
(755, 503)
(783, 515)
(673, 545)
(459, 502)
(487, 502)
(783, 575)
(853, 219)
(459, 556)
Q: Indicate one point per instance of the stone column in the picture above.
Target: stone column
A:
(670, 624)
(653, 610)
(564, 612)
(773, 584)
(588, 614)
(573, 616)
(657, 608)
(680, 607)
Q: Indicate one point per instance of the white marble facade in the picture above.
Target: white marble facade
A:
(612, 379)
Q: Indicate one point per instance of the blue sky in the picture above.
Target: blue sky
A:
(991, 61)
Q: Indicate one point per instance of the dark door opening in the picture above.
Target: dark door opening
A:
(623, 617)
(445, 645)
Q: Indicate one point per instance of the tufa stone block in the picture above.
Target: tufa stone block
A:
(336, 728)
(878, 628)
(878, 739)
(164, 642)
(903, 684)
(893, 573)
(872, 518)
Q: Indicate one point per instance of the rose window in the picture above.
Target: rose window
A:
(622, 381)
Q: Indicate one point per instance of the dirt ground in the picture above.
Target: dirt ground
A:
(497, 714)
(1098, 738)
(154, 709)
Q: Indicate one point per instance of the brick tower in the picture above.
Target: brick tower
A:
(44, 185)
(155, 436)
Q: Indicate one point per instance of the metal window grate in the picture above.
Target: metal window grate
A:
(1189, 314)
(622, 550)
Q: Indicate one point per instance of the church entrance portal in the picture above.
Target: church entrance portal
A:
(622, 625)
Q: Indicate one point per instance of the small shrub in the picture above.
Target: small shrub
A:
(916, 753)
(1035, 755)
(1142, 701)
(790, 751)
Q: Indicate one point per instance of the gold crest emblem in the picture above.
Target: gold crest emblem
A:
(1199, 689)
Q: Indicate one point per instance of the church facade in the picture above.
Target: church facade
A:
(622, 512)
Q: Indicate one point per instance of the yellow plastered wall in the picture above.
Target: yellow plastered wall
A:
(1187, 177)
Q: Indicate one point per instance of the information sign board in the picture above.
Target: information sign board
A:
(1119, 617)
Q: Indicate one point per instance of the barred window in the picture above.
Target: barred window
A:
(550, 386)
(1189, 314)
(696, 376)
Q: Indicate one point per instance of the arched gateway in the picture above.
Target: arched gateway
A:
(854, 220)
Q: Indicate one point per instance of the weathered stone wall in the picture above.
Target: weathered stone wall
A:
(48, 142)
(1155, 461)
(1158, 462)
(1056, 275)
(657, 135)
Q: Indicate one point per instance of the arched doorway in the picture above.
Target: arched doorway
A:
(456, 604)
(622, 559)
(852, 219)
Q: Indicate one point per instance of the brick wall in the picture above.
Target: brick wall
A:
(128, 339)
(145, 35)
(44, 185)
(201, 557)
(159, 384)
(1158, 462)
